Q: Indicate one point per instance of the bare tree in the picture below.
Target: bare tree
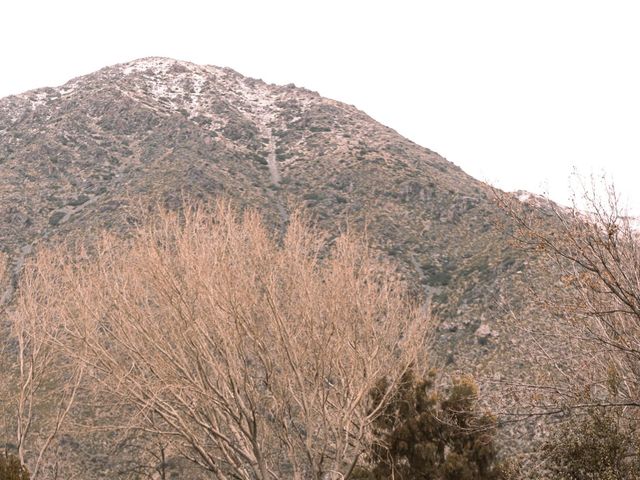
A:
(255, 355)
(41, 384)
(4, 274)
(4, 347)
(594, 251)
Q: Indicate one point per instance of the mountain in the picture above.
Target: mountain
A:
(83, 157)
(77, 158)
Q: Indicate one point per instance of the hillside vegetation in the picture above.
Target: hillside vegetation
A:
(150, 329)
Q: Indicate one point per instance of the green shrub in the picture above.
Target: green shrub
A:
(600, 445)
(12, 469)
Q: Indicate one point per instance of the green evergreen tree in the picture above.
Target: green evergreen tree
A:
(12, 469)
(424, 435)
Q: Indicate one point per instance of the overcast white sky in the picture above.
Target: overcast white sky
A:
(517, 93)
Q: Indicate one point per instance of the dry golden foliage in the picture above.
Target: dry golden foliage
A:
(257, 354)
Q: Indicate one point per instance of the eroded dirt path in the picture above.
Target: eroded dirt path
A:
(262, 110)
(272, 162)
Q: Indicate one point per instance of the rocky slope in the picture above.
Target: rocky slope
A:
(82, 157)
(79, 157)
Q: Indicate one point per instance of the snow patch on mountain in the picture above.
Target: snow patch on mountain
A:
(194, 89)
(178, 84)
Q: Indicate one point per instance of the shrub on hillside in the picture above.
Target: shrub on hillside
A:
(12, 469)
(597, 446)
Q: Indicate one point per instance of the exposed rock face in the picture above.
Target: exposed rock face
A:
(483, 333)
(75, 158)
